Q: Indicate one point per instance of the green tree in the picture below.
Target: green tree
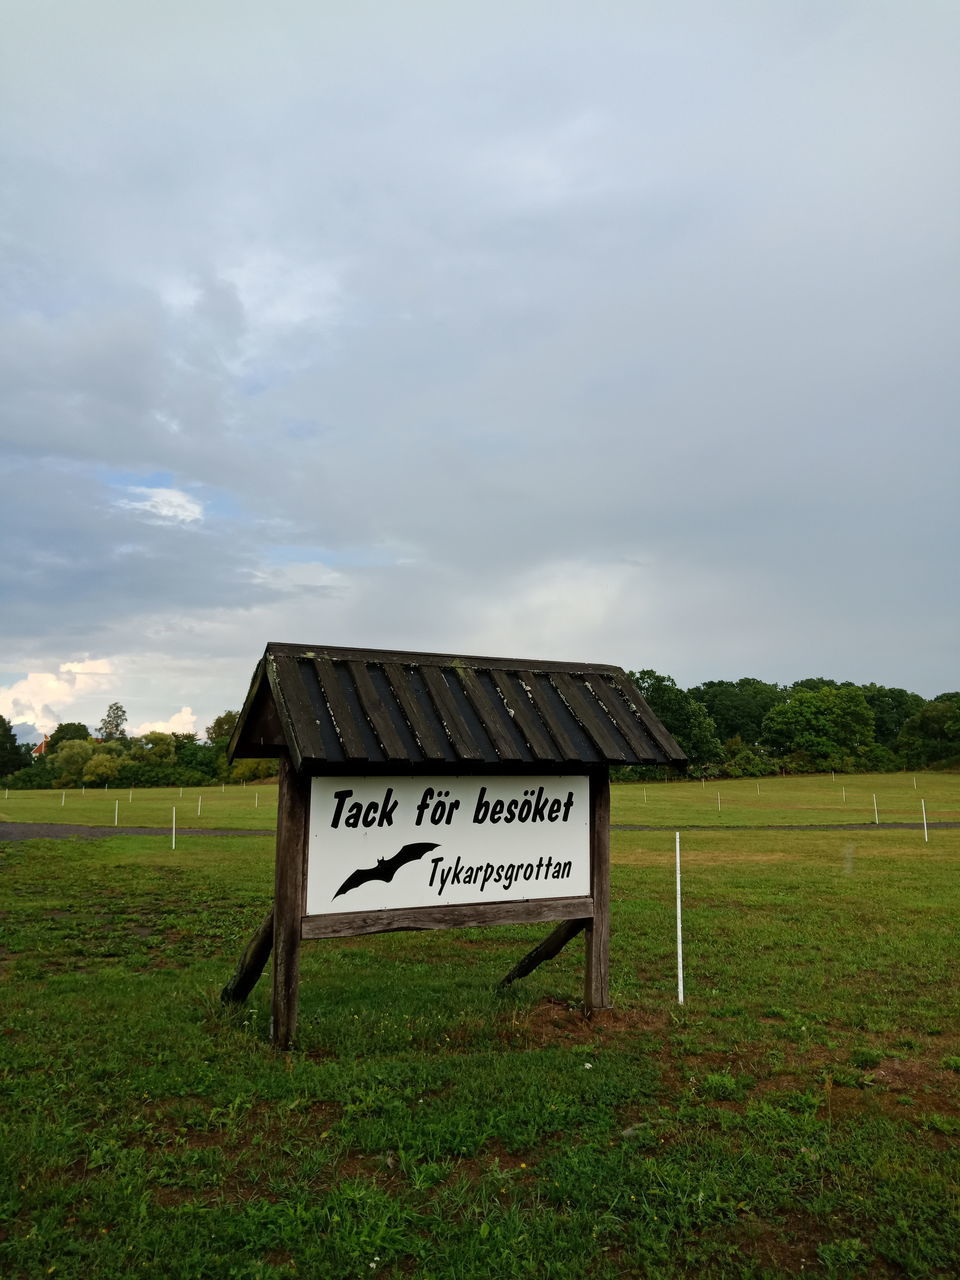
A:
(36, 776)
(154, 747)
(932, 735)
(105, 764)
(69, 761)
(737, 707)
(223, 726)
(745, 761)
(113, 724)
(827, 728)
(199, 761)
(69, 731)
(13, 755)
(891, 708)
(813, 684)
(250, 770)
(686, 718)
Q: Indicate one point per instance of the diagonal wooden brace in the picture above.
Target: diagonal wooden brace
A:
(545, 950)
(252, 963)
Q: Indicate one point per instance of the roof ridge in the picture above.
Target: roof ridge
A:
(405, 657)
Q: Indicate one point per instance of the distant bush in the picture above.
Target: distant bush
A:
(35, 777)
(152, 760)
(743, 761)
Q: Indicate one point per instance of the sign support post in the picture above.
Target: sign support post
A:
(596, 983)
(288, 902)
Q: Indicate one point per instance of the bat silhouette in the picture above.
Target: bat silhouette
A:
(385, 868)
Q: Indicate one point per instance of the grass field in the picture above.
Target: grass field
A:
(743, 802)
(232, 807)
(755, 802)
(798, 1115)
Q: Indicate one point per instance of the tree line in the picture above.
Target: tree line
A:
(727, 728)
(76, 758)
(749, 728)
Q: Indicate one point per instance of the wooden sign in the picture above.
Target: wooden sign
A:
(380, 844)
(304, 866)
(433, 791)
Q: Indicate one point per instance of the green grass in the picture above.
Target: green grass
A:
(757, 802)
(253, 806)
(779, 802)
(799, 1114)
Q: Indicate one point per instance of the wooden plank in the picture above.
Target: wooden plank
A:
(491, 716)
(544, 950)
(252, 963)
(340, 711)
(525, 717)
(532, 911)
(628, 722)
(288, 903)
(596, 983)
(280, 677)
(294, 676)
(542, 691)
(421, 728)
(376, 712)
(593, 717)
(631, 694)
(458, 731)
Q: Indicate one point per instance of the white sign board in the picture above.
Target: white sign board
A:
(387, 843)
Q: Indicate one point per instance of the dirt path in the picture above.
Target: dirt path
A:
(804, 826)
(63, 830)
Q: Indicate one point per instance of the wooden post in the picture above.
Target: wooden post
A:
(252, 963)
(596, 987)
(288, 903)
(545, 950)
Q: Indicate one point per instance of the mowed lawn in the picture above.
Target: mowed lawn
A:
(209, 808)
(845, 800)
(799, 1114)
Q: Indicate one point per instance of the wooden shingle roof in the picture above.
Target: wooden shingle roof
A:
(340, 710)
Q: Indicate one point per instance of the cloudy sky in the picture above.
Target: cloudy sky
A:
(622, 331)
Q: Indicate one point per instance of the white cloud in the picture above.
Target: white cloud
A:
(539, 172)
(279, 291)
(165, 506)
(178, 293)
(184, 721)
(44, 698)
(88, 667)
(295, 578)
(559, 610)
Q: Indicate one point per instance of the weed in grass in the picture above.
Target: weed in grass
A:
(948, 1125)
(866, 1058)
(844, 1077)
(907, 1043)
(844, 1258)
(722, 1086)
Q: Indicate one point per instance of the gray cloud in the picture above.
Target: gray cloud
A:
(622, 336)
